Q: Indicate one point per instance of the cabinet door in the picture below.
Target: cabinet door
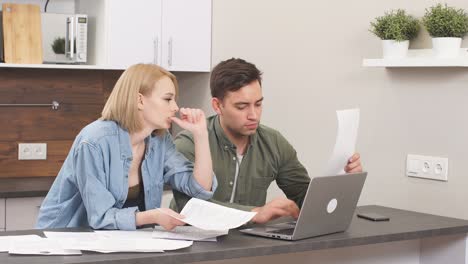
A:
(2, 213)
(186, 31)
(21, 213)
(133, 32)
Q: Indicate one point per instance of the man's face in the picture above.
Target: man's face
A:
(240, 111)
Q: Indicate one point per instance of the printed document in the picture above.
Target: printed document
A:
(6, 241)
(188, 233)
(348, 124)
(210, 216)
(40, 246)
(105, 245)
(116, 241)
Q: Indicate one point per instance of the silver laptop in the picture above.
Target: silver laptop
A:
(328, 207)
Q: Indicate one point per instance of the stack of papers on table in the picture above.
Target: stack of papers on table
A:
(116, 241)
(33, 245)
(71, 243)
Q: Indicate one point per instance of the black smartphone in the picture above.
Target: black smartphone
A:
(373, 216)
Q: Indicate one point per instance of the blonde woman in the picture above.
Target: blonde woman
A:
(113, 176)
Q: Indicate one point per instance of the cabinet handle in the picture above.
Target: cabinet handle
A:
(169, 57)
(156, 50)
(55, 105)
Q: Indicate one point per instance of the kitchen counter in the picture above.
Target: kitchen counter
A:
(25, 187)
(426, 239)
(30, 187)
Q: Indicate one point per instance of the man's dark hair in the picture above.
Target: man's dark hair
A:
(231, 75)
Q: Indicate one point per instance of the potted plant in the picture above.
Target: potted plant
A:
(447, 26)
(58, 46)
(396, 29)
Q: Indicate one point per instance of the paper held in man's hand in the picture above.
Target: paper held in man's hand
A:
(210, 216)
(348, 125)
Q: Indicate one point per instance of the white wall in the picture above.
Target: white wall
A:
(311, 53)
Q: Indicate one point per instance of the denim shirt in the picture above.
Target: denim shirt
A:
(92, 185)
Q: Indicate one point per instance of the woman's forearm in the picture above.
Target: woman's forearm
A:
(144, 218)
(203, 167)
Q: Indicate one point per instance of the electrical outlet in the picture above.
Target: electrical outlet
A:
(32, 151)
(435, 168)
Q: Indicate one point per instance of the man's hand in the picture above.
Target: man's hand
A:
(354, 164)
(274, 209)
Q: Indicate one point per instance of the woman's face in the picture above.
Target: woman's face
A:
(158, 107)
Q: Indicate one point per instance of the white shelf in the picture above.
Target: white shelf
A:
(420, 58)
(59, 66)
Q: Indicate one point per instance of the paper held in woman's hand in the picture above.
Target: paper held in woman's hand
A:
(210, 216)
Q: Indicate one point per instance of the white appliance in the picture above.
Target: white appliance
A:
(64, 38)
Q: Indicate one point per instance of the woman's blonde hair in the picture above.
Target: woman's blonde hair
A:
(121, 106)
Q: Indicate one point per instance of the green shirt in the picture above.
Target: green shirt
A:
(268, 157)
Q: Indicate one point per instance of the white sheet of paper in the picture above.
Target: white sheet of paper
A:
(107, 241)
(106, 245)
(41, 246)
(210, 216)
(5, 241)
(188, 233)
(348, 125)
(120, 234)
(71, 239)
(72, 235)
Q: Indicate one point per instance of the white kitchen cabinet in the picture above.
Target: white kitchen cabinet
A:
(21, 213)
(186, 31)
(2, 214)
(175, 34)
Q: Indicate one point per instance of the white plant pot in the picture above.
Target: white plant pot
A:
(446, 47)
(395, 49)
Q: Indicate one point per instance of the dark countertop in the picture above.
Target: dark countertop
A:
(403, 225)
(30, 187)
(25, 187)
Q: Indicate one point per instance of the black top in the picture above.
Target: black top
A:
(136, 197)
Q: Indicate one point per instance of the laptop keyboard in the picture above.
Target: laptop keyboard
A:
(287, 231)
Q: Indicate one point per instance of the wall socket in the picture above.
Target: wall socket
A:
(32, 151)
(434, 168)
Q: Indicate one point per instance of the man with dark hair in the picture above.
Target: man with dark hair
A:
(248, 156)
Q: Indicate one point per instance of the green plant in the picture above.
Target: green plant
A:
(445, 21)
(395, 25)
(58, 46)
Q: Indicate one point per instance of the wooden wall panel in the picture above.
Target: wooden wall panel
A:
(81, 94)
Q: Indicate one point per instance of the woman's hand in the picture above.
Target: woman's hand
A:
(164, 217)
(192, 120)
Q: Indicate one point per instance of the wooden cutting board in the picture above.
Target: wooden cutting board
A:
(22, 35)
